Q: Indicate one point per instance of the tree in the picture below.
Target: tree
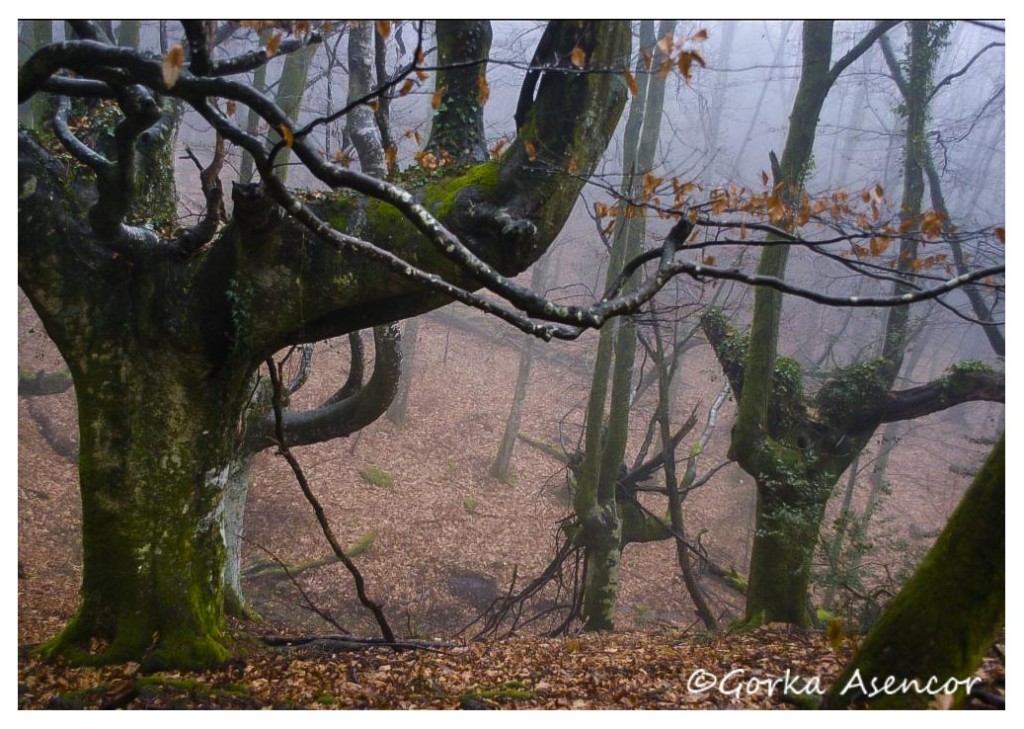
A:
(161, 333)
(163, 329)
(796, 453)
(603, 528)
(940, 624)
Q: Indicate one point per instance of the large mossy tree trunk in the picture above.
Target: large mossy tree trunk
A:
(949, 612)
(155, 432)
(162, 346)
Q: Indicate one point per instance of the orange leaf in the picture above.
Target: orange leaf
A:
(384, 28)
(647, 60)
(173, 63)
(879, 192)
(302, 27)
(578, 57)
(665, 44)
(422, 75)
(326, 27)
(427, 160)
(700, 35)
(531, 152)
(435, 100)
(374, 104)
(406, 87)
(776, 208)
(273, 44)
(483, 89)
(709, 260)
(232, 107)
(286, 134)
(1001, 235)
(496, 149)
(685, 61)
(631, 83)
(419, 139)
(390, 155)
(572, 168)
(878, 246)
(600, 209)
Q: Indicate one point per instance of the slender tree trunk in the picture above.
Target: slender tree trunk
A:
(500, 469)
(128, 33)
(252, 121)
(399, 410)
(595, 501)
(291, 89)
(361, 126)
(835, 547)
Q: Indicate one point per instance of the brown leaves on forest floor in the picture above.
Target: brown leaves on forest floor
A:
(641, 670)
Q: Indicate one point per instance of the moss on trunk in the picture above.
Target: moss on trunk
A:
(154, 438)
(948, 614)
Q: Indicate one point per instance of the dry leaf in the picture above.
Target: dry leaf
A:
(172, 66)
(483, 89)
(384, 28)
(631, 82)
(578, 57)
(435, 100)
(286, 135)
(273, 44)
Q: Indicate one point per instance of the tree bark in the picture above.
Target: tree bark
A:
(458, 126)
(161, 347)
(949, 612)
(794, 461)
(500, 469)
(595, 502)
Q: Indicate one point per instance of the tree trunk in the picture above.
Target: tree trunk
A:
(161, 346)
(152, 548)
(458, 125)
(500, 469)
(361, 125)
(236, 492)
(948, 614)
(595, 502)
(399, 409)
(785, 538)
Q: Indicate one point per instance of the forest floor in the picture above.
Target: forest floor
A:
(653, 669)
(445, 539)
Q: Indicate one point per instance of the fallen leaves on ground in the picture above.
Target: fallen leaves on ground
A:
(638, 670)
